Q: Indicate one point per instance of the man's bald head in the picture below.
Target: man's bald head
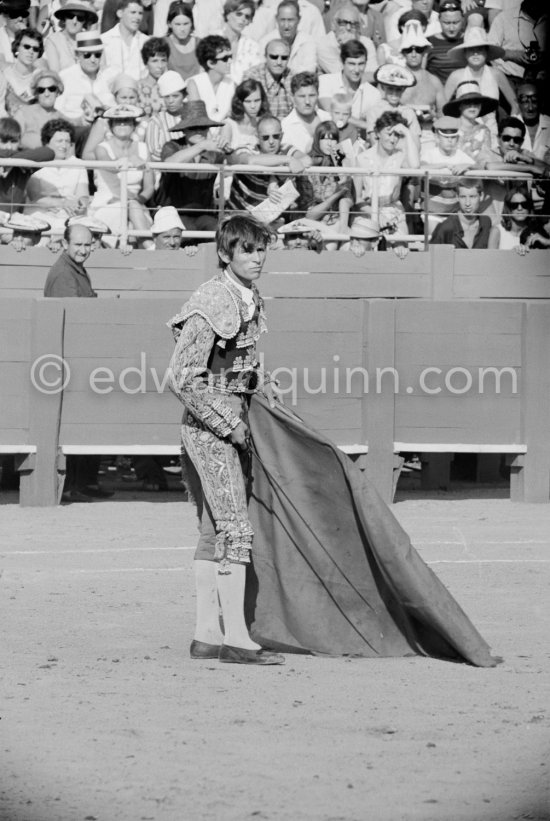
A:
(78, 242)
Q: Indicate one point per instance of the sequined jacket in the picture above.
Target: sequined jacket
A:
(215, 352)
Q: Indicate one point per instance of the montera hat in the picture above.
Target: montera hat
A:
(165, 219)
(391, 74)
(124, 111)
(76, 6)
(170, 82)
(469, 92)
(476, 37)
(88, 41)
(195, 116)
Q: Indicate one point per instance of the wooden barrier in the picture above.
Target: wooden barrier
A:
(332, 355)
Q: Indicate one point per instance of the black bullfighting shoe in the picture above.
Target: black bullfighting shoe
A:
(238, 655)
(202, 650)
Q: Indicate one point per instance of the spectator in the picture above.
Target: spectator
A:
(56, 194)
(426, 7)
(311, 22)
(155, 55)
(441, 60)
(59, 46)
(350, 142)
(469, 104)
(249, 190)
(214, 87)
(13, 180)
(124, 42)
(172, 90)
(121, 145)
(521, 32)
(372, 21)
(27, 48)
(391, 52)
(46, 87)
(517, 213)
(274, 75)
(299, 126)
(537, 125)
(126, 92)
(327, 199)
(249, 104)
(26, 231)
(167, 229)
(394, 148)
(85, 78)
(14, 16)
(97, 228)
(303, 54)
(246, 53)
(511, 137)
(467, 228)
(182, 41)
(364, 235)
(392, 80)
(427, 96)
(192, 191)
(109, 17)
(346, 27)
(353, 56)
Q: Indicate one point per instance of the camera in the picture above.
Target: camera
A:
(532, 52)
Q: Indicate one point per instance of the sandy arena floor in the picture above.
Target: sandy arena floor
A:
(104, 717)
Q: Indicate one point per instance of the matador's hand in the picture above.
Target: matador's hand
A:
(239, 436)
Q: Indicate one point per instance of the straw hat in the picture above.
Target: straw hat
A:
(195, 116)
(170, 82)
(469, 92)
(27, 224)
(391, 74)
(165, 219)
(413, 36)
(476, 37)
(123, 112)
(76, 6)
(88, 41)
(92, 224)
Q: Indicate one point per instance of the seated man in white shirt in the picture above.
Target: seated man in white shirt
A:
(350, 80)
(303, 53)
(346, 27)
(124, 42)
(299, 126)
(85, 78)
(537, 135)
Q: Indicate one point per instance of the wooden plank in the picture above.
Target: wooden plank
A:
(15, 341)
(417, 351)
(442, 269)
(484, 414)
(148, 433)
(351, 286)
(16, 310)
(461, 318)
(14, 436)
(329, 262)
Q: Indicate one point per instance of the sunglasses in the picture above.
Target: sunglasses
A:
(514, 206)
(29, 47)
(18, 15)
(351, 23)
(43, 89)
(417, 49)
(528, 98)
(88, 54)
(507, 138)
(265, 137)
(225, 58)
(75, 15)
(283, 57)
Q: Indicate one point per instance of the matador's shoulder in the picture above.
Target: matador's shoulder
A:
(217, 304)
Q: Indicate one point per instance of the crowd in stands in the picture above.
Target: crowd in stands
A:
(350, 102)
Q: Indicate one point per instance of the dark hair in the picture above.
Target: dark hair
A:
(154, 46)
(302, 80)
(412, 15)
(175, 9)
(122, 4)
(352, 49)
(242, 91)
(51, 127)
(507, 211)
(62, 17)
(292, 3)
(32, 34)
(325, 129)
(209, 47)
(240, 230)
(470, 182)
(234, 5)
(389, 119)
(511, 122)
(10, 130)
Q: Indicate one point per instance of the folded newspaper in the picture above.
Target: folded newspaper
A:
(267, 211)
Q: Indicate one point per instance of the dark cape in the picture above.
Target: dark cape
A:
(334, 572)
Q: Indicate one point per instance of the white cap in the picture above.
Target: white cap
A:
(170, 82)
(165, 219)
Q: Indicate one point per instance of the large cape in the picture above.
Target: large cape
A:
(334, 572)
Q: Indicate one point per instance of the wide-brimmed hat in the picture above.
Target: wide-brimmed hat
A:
(449, 124)
(21, 6)
(170, 82)
(43, 74)
(475, 37)
(195, 116)
(413, 36)
(94, 225)
(124, 111)
(165, 219)
(77, 6)
(304, 226)
(469, 92)
(390, 74)
(27, 223)
(88, 41)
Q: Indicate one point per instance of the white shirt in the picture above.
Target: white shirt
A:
(124, 58)
(432, 155)
(296, 132)
(364, 98)
(311, 20)
(541, 144)
(78, 84)
(246, 294)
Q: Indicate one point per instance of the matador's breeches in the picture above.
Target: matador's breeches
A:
(223, 485)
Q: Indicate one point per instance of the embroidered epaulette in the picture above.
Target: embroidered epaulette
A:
(216, 303)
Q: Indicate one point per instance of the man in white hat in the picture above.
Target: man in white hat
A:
(427, 97)
(85, 77)
(124, 42)
(172, 89)
(167, 229)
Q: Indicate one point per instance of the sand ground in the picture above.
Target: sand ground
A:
(104, 716)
